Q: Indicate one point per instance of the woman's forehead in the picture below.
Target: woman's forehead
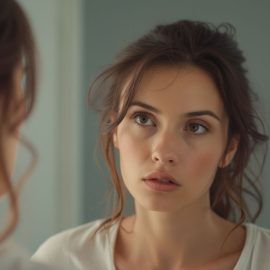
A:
(187, 88)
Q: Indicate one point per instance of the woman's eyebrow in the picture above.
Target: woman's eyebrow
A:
(189, 114)
(201, 113)
(144, 105)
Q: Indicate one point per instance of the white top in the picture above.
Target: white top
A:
(12, 257)
(76, 247)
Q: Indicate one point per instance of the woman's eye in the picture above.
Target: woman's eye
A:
(197, 128)
(143, 119)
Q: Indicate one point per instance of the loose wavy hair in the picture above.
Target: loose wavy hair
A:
(16, 48)
(214, 50)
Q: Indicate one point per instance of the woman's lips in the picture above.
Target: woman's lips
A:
(161, 181)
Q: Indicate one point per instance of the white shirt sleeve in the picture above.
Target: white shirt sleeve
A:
(80, 248)
(54, 251)
(256, 252)
(13, 257)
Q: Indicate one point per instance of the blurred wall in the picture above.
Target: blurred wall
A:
(51, 200)
(111, 25)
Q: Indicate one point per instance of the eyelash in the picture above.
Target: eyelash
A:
(150, 117)
(142, 114)
(206, 129)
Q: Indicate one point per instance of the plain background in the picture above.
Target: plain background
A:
(76, 40)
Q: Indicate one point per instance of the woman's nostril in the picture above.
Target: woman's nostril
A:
(163, 158)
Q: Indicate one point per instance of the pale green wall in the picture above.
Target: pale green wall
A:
(50, 200)
(110, 25)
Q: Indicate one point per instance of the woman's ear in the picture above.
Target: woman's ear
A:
(230, 152)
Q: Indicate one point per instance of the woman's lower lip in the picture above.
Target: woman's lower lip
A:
(160, 186)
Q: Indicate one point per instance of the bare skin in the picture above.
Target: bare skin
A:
(175, 247)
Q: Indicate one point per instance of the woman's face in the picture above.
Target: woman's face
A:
(173, 139)
(10, 141)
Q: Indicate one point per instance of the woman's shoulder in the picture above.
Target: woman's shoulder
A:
(255, 254)
(14, 257)
(64, 241)
(86, 230)
(80, 242)
(258, 236)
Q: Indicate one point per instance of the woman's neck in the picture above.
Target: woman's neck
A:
(190, 237)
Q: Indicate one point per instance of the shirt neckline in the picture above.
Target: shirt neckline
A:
(242, 261)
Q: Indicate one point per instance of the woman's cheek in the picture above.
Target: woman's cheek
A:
(139, 133)
(133, 149)
(132, 146)
(205, 165)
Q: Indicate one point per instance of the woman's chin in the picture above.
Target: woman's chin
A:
(159, 206)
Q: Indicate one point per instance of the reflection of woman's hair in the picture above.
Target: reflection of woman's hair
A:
(16, 47)
(214, 50)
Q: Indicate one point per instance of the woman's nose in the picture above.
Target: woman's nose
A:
(165, 150)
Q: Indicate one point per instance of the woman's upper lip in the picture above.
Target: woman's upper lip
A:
(158, 175)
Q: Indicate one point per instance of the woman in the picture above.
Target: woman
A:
(17, 96)
(178, 109)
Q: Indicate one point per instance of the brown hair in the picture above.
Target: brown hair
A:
(16, 47)
(214, 50)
